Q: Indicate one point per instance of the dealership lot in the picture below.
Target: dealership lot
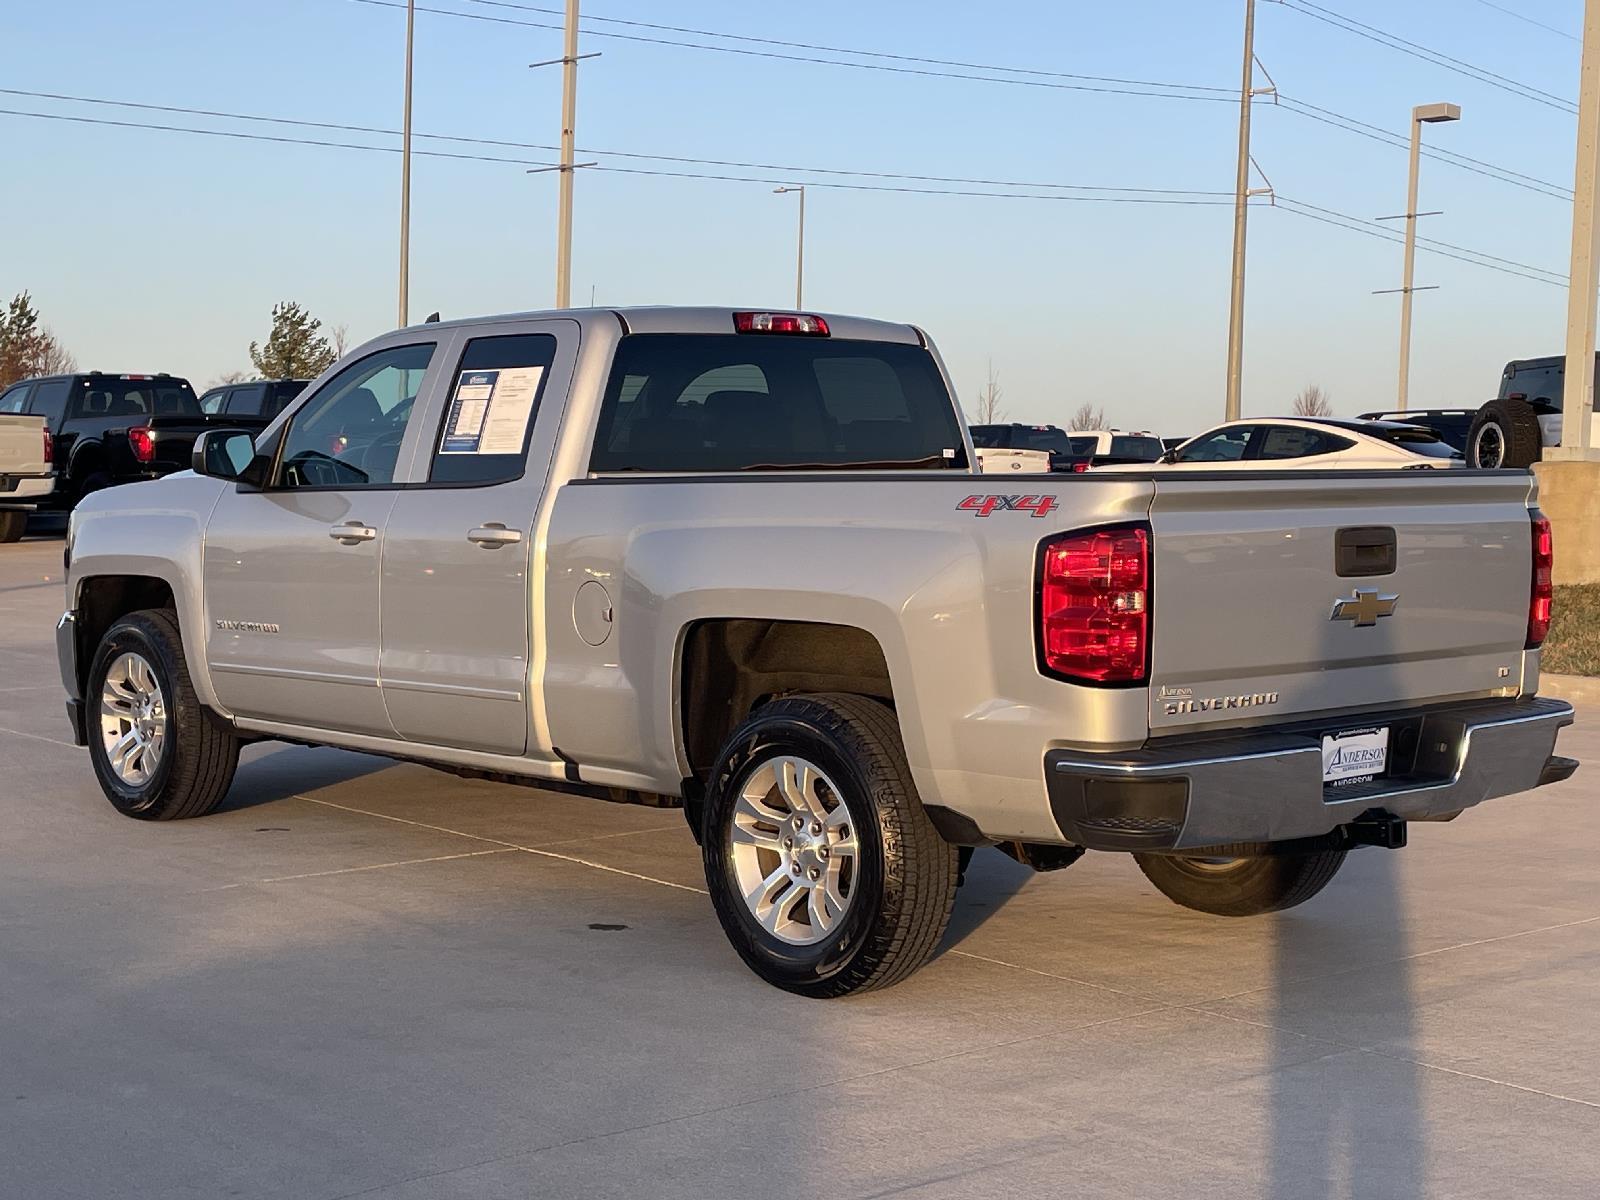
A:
(364, 978)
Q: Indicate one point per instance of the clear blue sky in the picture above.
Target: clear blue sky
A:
(165, 251)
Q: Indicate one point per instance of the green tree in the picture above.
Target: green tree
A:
(26, 347)
(295, 349)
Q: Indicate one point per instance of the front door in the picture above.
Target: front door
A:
(455, 665)
(292, 571)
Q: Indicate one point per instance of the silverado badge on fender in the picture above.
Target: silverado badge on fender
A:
(1364, 608)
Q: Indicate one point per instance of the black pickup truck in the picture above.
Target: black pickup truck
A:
(111, 429)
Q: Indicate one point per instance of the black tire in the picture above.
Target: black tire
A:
(1241, 887)
(13, 524)
(1505, 433)
(200, 753)
(905, 874)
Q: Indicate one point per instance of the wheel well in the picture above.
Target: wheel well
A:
(730, 666)
(104, 599)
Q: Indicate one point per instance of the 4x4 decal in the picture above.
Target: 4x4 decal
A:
(983, 506)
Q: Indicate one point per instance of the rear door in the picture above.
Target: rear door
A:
(1249, 583)
(455, 664)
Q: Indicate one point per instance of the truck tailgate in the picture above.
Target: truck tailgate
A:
(1248, 580)
(22, 445)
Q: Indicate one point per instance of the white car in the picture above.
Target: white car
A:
(1318, 444)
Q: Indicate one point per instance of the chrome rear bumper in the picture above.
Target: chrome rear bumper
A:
(1266, 786)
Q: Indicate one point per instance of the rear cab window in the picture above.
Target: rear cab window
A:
(494, 398)
(113, 397)
(732, 402)
(1141, 449)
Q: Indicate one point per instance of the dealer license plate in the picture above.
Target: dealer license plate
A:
(1355, 755)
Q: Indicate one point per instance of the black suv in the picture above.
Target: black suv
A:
(258, 398)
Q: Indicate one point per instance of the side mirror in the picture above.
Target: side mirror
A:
(1169, 456)
(223, 454)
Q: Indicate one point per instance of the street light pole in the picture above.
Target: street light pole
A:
(800, 252)
(405, 177)
(1429, 114)
(1241, 210)
(569, 120)
(1577, 398)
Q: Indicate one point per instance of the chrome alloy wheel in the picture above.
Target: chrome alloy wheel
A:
(794, 850)
(133, 719)
(1489, 449)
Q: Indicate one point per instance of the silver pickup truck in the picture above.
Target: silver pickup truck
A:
(742, 561)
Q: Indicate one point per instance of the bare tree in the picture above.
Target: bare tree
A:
(1313, 402)
(339, 336)
(990, 410)
(1088, 417)
(55, 358)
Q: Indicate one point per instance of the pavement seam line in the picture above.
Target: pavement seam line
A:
(583, 862)
(740, 1104)
(404, 862)
(1389, 962)
(1063, 978)
(38, 737)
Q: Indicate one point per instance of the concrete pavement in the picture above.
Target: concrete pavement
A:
(368, 979)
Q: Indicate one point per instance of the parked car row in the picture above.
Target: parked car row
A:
(99, 430)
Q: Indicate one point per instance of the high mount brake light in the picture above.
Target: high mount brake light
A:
(1541, 592)
(1094, 606)
(142, 444)
(804, 324)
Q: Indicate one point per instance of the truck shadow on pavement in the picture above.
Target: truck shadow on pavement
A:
(279, 772)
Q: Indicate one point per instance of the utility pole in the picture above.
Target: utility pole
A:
(1429, 114)
(405, 177)
(1241, 209)
(569, 121)
(1577, 400)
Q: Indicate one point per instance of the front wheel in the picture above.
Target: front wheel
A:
(1240, 887)
(824, 869)
(158, 754)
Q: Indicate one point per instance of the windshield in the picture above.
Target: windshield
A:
(1143, 449)
(741, 402)
(1041, 437)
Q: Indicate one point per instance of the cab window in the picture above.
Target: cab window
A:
(348, 435)
(15, 400)
(1224, 445)
(483, 436)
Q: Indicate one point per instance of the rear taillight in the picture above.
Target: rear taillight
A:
(1541, 594)
(49, 449)
(805, 324)
(1094, 606)
(144, 446)
(1080, 467)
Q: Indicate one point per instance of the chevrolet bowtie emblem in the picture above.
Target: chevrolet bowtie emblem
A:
(1364, 608)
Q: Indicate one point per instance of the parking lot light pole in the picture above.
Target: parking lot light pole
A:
(800, 253)
(405, 177)
(1577, 398)
(1423, 114)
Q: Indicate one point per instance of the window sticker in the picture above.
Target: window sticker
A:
(491, 410)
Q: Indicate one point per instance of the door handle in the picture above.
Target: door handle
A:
(494, 535)
(352, 533)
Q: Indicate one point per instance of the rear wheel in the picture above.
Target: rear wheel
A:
(1505, 433)
(158, 754)
(824, 869)
(1240, 887)
(13, 525)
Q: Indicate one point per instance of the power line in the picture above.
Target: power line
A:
(1170, 92)
(282, 139)
(1571, 37)
(1463, 162)
(1354, 224)
(1439, 59)
(669, 158)
(911, 58)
